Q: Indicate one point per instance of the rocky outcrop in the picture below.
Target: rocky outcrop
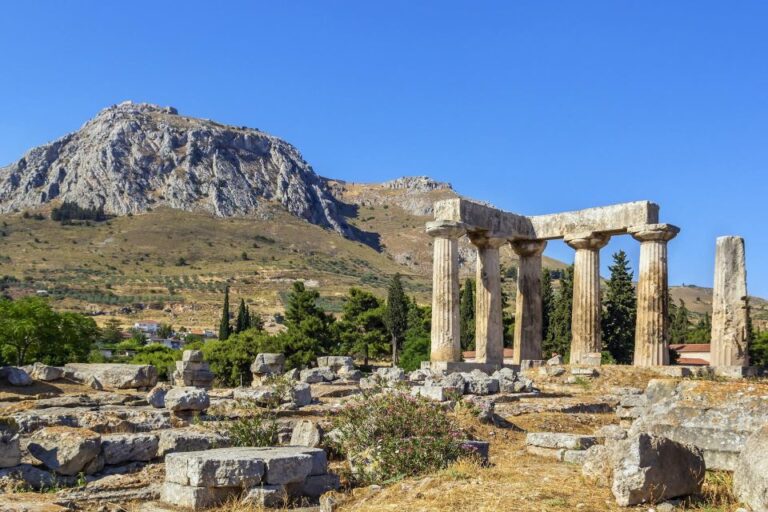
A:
(113, 376)
(134, 157)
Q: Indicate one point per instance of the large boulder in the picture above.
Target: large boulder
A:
(156, 396)
(114, 376)
(649, 469)
(187, 399)
(15, 376)
(266, 365)
(65, 450)
(45, 373)
(750, 478)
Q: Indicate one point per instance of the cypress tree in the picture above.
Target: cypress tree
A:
(467, 315)
(679, 323)
(559, 339)
(243, 318)
(547, 303)
(224, 327)
(619, 311)
(396, 314)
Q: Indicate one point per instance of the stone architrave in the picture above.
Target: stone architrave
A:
(528, 313)
(446, 341)
(729, 305)
(489, 327)
(585, 319)
(651, 340)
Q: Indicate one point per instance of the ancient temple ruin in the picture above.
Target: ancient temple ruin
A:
(586, 231)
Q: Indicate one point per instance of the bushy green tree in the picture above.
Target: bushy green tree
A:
(467, 315)
(559, 339)
(416, 346)
(619, 311)
(758, 349)
(161, 357)
(231, 359)
(362, 332)
(679, 323)
(111, 333)
(165, 330)
(396, 318)
(30, 330)
(702, 331)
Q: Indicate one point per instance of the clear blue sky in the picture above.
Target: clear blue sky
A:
(535, 106)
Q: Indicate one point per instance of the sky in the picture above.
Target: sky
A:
(534, 106)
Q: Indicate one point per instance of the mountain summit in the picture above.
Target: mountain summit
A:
(132, 158)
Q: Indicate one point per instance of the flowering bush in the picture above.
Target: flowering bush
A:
(393, 435)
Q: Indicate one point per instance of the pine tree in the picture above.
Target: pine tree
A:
(224, 327)
(679, 323)
(559, 339)
(467, 315)
(547, 303)
(619, 311)
(243, 321)
(396, 315)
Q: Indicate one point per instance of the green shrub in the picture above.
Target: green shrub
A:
(394, 435)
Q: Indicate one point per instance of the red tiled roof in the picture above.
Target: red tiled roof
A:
(508, 353)
(692, 361)
(690, 347)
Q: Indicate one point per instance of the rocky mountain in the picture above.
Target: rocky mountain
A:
(132, 158)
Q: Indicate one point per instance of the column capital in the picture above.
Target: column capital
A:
(587, 240)
(485, 240)
(527, 248)
(446, 229)
(654, 232)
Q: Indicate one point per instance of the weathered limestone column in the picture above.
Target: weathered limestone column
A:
(651, 340)
(585, 319)
(489, 327)
(528, 314)
(729, 305)
(446, 341)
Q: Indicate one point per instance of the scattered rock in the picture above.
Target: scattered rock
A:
(307, 433)
(114, 376)
(15, 376)
(187, 399)
(156, 396)
(121, 448)
(45, 373)
(189, 439)
(555, 361)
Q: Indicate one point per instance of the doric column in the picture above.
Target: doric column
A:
(489, 327)
(446, 340)
(585, 318)
(730, 311)
(651, 340)
(528, 314)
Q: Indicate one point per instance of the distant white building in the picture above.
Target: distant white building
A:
(41, 293)
(149, 327)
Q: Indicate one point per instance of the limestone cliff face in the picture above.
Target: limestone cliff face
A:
(134, 157)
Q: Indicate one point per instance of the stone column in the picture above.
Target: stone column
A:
(585, 319)
(528, 314)
(651, 340)
(729, 344)
(489, 327)
(446, 340)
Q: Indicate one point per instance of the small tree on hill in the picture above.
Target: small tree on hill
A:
(243, 320)
(224, 327)
(397, 314)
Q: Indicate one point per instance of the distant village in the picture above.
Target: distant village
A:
(152, 332)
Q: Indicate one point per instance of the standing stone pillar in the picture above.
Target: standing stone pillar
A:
(446, 340)
(585, 318)
(489, 327)
(528, 313)
(729, 344)
(651, 338)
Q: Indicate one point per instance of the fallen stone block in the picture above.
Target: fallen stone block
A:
(189, 439)
(156, 396)
(301, 394)
(575, 456)
(584, 372)
(267, 496)
(437, 393)
(559, 440)
(265, 366)
(10, 449)
(114, 376)
(32, 477)
(261, 395)
(336, 363)
(649, 469)
(121, 448)
(750, 477)
(196, 498)
(224, 467)
(317, 375)
(315, 486)
(550, 453)
(479, 449)
(65, 450)
(633, 400)
(555, 361)
(611, 432)
(597, 466)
